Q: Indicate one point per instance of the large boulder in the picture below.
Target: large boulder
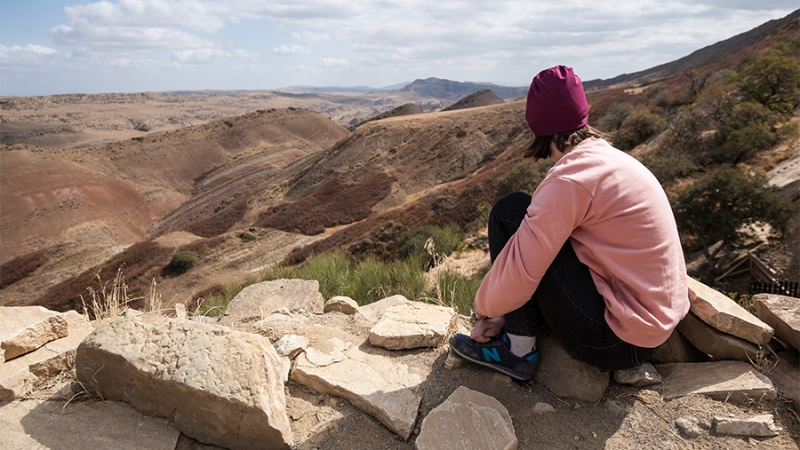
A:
(722, 313)
(716, 343)
(257, 301)
(23, 329)
(467, 420)
(219, 386)
(567, 377)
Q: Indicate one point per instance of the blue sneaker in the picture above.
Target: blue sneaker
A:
(496, 354)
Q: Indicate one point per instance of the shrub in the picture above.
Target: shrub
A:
(461, 133)
(20, 267)
(524, 177)
(637, 128)
(220, 222)
(772, 81)
(182, 261)
(716, 208)
(749, 129)
(668, 168)
(615, 116)
(445, 240)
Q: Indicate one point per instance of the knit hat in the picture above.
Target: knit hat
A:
(556, 102)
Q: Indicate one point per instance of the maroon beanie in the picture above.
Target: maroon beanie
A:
(556, 102)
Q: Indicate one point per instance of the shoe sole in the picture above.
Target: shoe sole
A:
(510, 372)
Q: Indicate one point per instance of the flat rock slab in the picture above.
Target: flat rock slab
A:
(18, 376)
(23, 329)
(467, 420)
(722, 380)
(783, 314)
(724, 314)
(260, 300)
(409, 325)
(219, 386)
(340, 364)
(720, 345)
(80, 426)
(374, 311)
(567, 377)
(760, 426)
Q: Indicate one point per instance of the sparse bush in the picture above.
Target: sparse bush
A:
(615, 116)
(716, 208)
(524, 177)
(749, 129)
(669, 168)
(457, 291)
(182, 261)
(220, 222)
(229, 123)
(637, 128)
(772, 81)
(446, 240)
(247, 236)
(20, 267)
(461, 133)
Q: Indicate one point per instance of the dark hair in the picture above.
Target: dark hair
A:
(539, 148)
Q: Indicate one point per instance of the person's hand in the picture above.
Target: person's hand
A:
(486, 328)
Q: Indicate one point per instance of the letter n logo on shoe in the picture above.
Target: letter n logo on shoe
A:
(491, 354)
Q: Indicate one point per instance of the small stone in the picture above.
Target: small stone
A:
(453, 361)
(180, 311)
(290, 345)
(341, 304)
(577, 438)
(761, 426)
(639, 376)
(688, 427)
(543, 408)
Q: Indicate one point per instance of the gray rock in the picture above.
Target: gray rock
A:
(716, 343)
(677, 349)
(761, 426)
(482, 423)
(409, 325)
(688, 427)
(374, 311)
(783, 314)
(722, 380)
(786, 376)
(23, 329)
(335, 363)
(18, 376)
(567, 377)
(341, 304)
(260, 300)
(290, 345)
(639, 376)
(724, 314)
(106, 425)
(214, 384)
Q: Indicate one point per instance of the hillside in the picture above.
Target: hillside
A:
(481, 98)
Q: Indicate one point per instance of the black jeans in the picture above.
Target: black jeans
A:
(566, 300)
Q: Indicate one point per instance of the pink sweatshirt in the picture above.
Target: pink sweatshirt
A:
(621, 226)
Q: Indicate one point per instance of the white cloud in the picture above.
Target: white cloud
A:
(309, 37)
(290, 50)
(338, 63)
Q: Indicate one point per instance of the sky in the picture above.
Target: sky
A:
(79, 46)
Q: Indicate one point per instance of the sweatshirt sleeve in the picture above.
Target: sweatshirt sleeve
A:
(558, 206)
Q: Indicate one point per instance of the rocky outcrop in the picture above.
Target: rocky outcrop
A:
(335, 363)
(567, 377)
(23, 329)
(722, 313)
(19, 375)
(216, 385)
(467, 420)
